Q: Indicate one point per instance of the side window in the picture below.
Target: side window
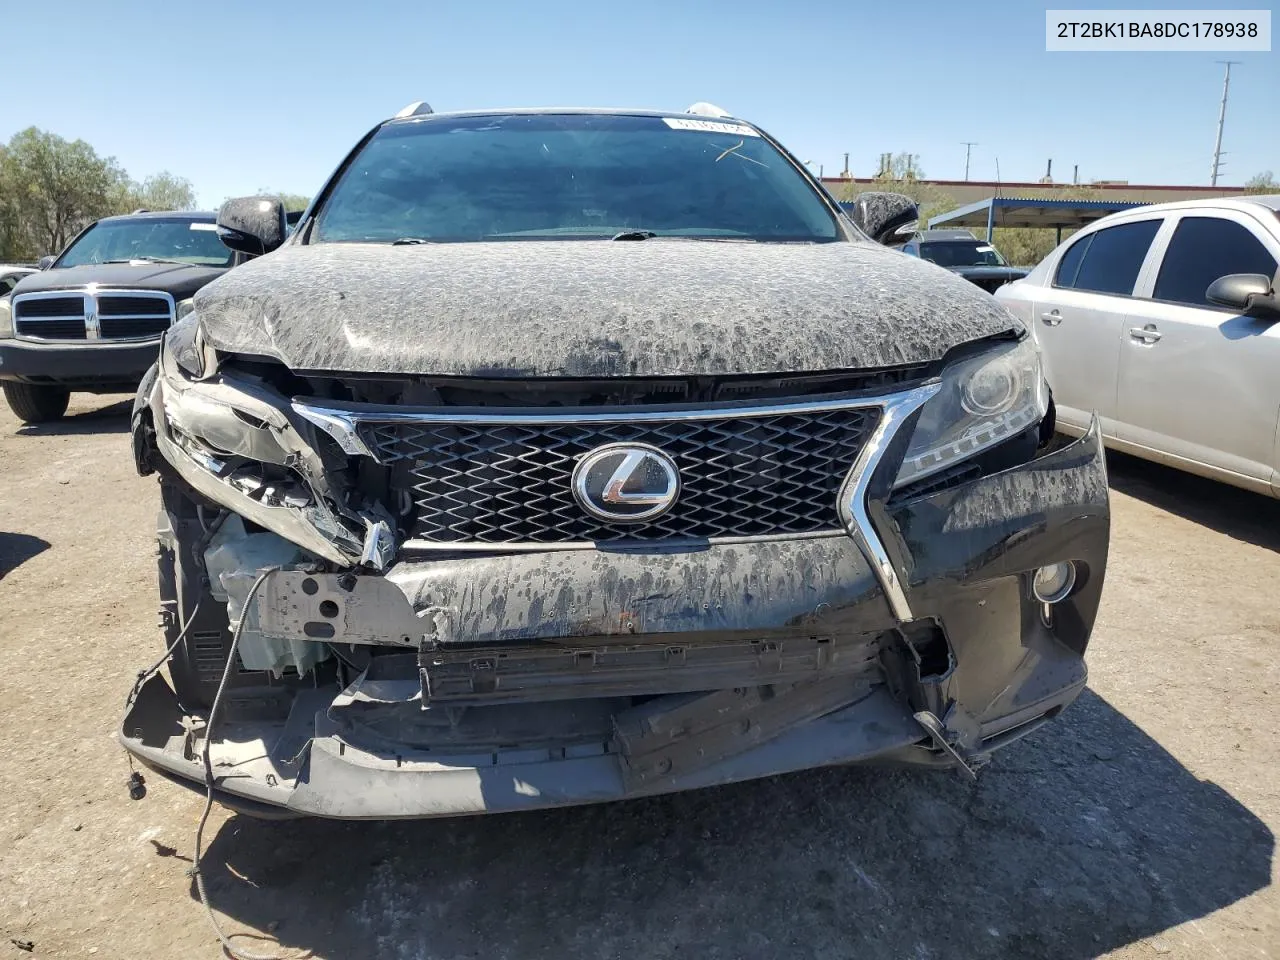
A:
(1204, 249)
(1069, 265)
(1115, 256)
(910, 250)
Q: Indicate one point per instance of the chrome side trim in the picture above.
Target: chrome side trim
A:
(852, 501)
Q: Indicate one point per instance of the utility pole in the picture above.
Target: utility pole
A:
(845, 174)
(968, 145)
(1222, 117)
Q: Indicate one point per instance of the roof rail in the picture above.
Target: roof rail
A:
(704, 109)
(419, 108)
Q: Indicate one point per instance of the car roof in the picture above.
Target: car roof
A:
(932, 236)
(550, 111)
(1247, 203)
(196, 216)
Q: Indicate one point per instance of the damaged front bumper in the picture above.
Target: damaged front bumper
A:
(814, 662)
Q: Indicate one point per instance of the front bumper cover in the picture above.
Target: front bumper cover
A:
(965, 555)
(90, 364)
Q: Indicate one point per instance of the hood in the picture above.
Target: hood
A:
(593, 308)
(180, 280)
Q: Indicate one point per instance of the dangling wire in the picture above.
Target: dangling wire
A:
(195, 871)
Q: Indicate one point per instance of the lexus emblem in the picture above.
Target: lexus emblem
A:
(626, 482)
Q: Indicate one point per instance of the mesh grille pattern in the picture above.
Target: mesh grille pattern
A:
(740, 476)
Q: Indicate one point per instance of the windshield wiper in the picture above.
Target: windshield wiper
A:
(634, 235)
(410, 241)
(146, 260)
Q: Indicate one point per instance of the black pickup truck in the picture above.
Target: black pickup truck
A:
(93, 318)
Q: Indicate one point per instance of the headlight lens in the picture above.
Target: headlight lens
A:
(984, 400)
(6, 319)
(181, 348)
(183, 308)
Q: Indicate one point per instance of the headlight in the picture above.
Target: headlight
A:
(183, 308)
(182, 349)
(6, 319)
(984, 400)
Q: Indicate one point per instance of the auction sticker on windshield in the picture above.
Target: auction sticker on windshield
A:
(710, 126)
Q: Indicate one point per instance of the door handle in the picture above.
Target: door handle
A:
(1147, 334)
(1052, 318)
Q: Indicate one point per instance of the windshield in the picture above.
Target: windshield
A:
(962, 253)
(151, 238)
(571, 176)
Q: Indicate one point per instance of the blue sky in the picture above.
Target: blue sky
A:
(238, 96)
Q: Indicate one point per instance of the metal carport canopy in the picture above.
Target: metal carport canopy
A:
(1030, 212)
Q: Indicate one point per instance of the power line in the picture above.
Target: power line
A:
(1222, 118)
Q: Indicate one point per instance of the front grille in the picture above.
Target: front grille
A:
(117, 328)
(53, 329)
(125, 305)
(117, 315)
(500, 483)
(50, 307)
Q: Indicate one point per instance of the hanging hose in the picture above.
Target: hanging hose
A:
(195, 871)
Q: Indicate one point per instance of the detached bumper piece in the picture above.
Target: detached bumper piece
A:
(517, 681)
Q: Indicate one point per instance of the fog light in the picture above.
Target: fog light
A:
(1053, 582)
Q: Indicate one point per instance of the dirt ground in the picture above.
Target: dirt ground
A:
(1140, 824)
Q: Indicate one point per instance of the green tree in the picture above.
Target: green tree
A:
(50, 188)
(1260, 183)
(293, 202)
(161, 191)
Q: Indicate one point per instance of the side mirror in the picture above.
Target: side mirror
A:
(252, 225)
(45, 262)
(886, 217)
(1250, 293)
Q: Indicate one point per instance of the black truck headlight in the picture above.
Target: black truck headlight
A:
(984, 400)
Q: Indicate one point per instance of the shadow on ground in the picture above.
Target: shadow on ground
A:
(1083, 838)
(1248, 517)
(17, 548)
(113, 418)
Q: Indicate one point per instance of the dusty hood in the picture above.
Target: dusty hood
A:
(593, 308)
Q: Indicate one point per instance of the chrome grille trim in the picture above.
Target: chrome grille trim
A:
(344, 422)
(95, 324)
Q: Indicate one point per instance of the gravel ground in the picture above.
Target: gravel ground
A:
(1140, 824)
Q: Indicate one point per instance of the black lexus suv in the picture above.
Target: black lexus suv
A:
(92, 319)
(559, 456)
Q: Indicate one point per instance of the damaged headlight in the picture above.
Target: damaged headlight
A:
(984, 400)
(231, 439)
(6, 319)
(183, 352)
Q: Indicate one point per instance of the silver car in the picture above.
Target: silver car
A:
(1165, 321)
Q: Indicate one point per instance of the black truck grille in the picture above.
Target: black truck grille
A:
(116, 315)
(496, 483)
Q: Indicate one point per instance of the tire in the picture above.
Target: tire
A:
(36, 403)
